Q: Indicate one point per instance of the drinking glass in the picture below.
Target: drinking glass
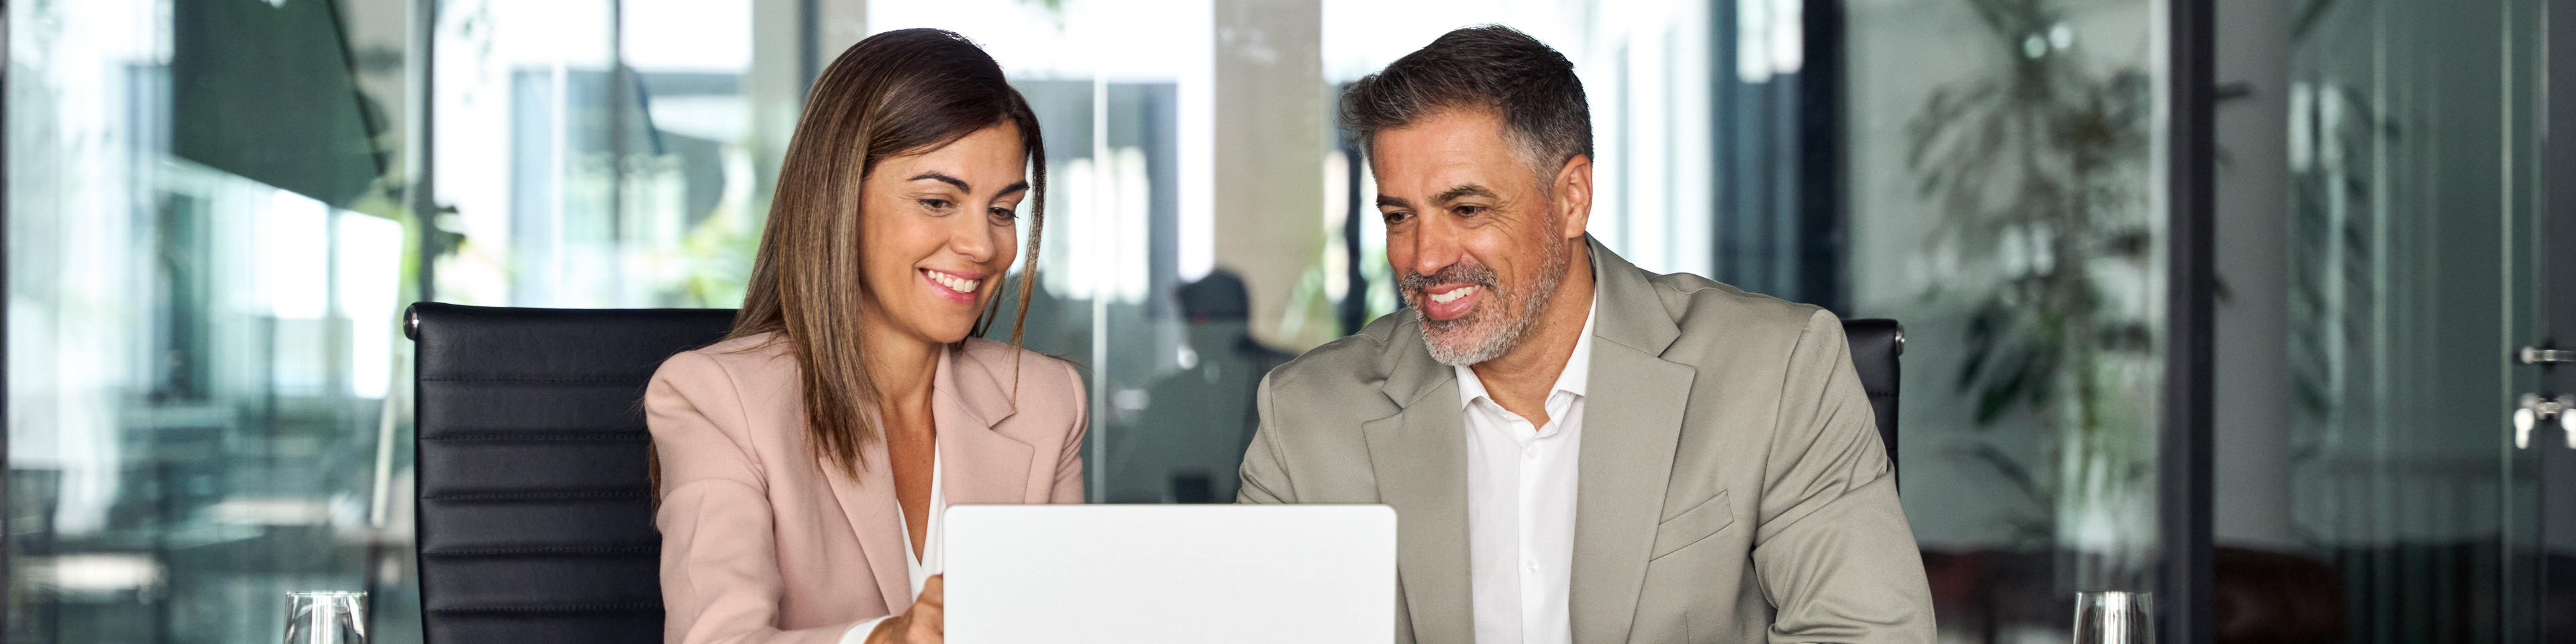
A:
(330, 617)
(2114, 617)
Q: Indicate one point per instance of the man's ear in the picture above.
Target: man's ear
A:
(1573, 192)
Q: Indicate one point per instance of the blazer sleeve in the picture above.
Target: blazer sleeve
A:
(1265, 479)
(1068, 465)
(1833, 550)
(720, 582)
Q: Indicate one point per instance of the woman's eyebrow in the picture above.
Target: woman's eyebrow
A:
(1016, 187)
(941, 177)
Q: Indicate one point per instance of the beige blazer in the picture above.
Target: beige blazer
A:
(1731, 486)
(762, 543)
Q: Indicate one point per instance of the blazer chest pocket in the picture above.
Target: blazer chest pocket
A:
(1693, 525)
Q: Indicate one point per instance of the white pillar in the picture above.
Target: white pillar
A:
(1272, 129)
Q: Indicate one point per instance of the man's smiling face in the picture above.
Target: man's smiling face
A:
(1477, 242)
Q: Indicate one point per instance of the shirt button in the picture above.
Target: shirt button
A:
(1530, 566)
(1530, 452)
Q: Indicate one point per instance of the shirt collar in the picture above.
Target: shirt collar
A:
(1576, 376)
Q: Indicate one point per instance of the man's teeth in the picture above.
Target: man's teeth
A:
(953, 282)
(1452, 295)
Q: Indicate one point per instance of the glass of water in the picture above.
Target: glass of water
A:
(2114, 617)
(331, 617)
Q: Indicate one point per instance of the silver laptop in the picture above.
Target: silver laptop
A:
(1155, 574)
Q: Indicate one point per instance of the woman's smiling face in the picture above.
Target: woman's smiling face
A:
(938, 230)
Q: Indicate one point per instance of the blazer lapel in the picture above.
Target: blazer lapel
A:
(1632, 422)
(980, 465)
(868, 502)
(1420, 458)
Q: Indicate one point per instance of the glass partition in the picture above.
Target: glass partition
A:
(2006, 185)
(205, 257)
(216, 209)
(2379, 454)
(598, 153)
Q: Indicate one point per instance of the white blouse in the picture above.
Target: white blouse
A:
(920, 566)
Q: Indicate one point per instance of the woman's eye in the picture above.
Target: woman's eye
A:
(1004, 215)
(935, 204)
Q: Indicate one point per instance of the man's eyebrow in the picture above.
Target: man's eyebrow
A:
(943, 178)
(1390, 201)
(1468, 190)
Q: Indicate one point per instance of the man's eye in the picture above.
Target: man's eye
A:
(1470, 211)
(1396, 217)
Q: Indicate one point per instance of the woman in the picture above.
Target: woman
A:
(803, 462)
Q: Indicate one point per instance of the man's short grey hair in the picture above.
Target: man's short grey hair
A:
(1487, 67)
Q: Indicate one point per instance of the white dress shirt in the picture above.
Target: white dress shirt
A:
(1520, 506)
(930, 561)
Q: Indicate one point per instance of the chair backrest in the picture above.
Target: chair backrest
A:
(1875, 344)
(535, 513)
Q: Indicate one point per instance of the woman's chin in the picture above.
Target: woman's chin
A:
(950, 333)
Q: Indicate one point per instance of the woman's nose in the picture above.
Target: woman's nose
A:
(973, 238)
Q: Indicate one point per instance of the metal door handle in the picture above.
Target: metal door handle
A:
(2537, 355)
(2535, 410)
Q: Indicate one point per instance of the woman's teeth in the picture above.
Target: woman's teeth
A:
(953, 282)
(1453, 294)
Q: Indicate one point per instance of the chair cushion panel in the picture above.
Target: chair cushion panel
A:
(624, 345)
(483, 408)
(585, 627)
(563, 522)
(452, 468)
(542, 584)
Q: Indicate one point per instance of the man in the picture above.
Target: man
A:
(1579, 450)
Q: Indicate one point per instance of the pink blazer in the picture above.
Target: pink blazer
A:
(763, 543)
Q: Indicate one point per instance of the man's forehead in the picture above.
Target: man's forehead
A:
(1444, 151)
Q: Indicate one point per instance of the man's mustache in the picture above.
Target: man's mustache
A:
(1462, 272)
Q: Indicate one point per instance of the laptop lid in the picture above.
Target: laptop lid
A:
(1154, 574)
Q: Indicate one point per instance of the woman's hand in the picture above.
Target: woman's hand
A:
(919, 625)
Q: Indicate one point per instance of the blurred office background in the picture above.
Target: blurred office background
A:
(216, 210)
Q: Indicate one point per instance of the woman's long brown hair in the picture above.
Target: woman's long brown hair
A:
(895, 93)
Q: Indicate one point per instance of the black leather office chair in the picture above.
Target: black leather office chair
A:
(535, 515)
(1875, 345)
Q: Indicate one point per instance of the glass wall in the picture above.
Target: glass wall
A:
(206, 256)
(216, 209)
(2006, 186)
(599, 153)
(2391, 270)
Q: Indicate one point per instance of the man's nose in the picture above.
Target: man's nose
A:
(1435, 247)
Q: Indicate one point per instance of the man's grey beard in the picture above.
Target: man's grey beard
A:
(1477, 337)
